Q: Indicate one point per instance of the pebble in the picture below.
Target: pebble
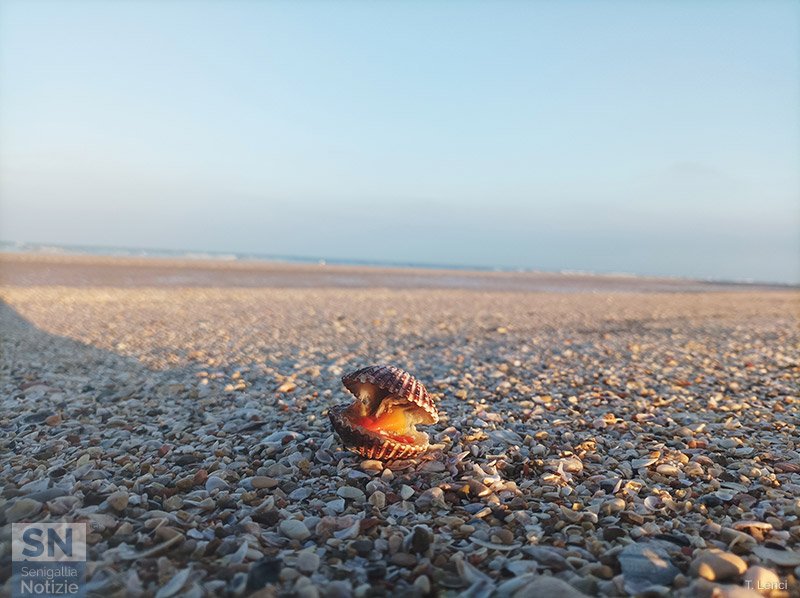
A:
(433, 497)
(403, 559)
(307, 561)
(784, 558)
(420, 539)
(377, 499)
(259, 482)
(423, 584)
(215, 483)
(22, 509)
(668, 470)
(173, 503)
(406, 492)
(351, 493)
(294, 529)
(363, 547)
(337, 505)
(716, 565)
(593, 422)
(300, 494)
(264, 571)
(614, 505)
(371, 465)
(646, 564)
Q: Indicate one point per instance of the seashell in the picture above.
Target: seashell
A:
(381, 422)
(653, 503)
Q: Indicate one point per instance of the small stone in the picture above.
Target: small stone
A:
(363, 547)
(668, 470)
(377, 499)
(423, 584)
(503, 536)
(404, 559)
(287, 386)
(294, 529)
(337, 505)
(118, 500)
(613, 505)
(185, 483)
(307, 561)
(173, 503)
(432, 467)
(200, 477)
(433, 497)
(421, 539)
(23, 508)
(351, 493)
(784, 558)
(262, 572)
(716, 565)
(53, 420)
(215, 483)
(613, 533)
(300, 493)
(406, 492)
(372, 465)
(646, 564)
(261, 481)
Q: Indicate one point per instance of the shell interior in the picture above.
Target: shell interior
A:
(379, 413)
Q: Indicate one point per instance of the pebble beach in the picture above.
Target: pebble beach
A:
(599, 436)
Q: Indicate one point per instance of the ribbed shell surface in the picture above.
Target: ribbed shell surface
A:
(368, 446)
(397, 382)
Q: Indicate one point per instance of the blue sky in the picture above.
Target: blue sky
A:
(647, 137)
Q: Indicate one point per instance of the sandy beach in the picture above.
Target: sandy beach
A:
(599, 435)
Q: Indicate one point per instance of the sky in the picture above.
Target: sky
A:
(655, 138)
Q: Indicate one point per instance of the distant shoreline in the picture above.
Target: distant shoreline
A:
(82, 270)
(201, 257)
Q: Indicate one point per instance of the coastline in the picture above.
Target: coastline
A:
(73, 270)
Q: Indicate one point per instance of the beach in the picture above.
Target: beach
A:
(599, 435)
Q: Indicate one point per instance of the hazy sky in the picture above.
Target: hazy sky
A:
(647, 137)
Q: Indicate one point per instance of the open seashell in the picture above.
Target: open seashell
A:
(381, 422)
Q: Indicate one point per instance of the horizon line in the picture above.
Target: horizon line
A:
(36, 247)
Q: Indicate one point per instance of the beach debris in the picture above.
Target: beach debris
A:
(522, 487)
(381, 422)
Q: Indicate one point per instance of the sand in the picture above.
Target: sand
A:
(588, 424)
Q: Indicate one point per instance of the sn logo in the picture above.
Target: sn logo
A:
(34, 546)
(49, 542)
